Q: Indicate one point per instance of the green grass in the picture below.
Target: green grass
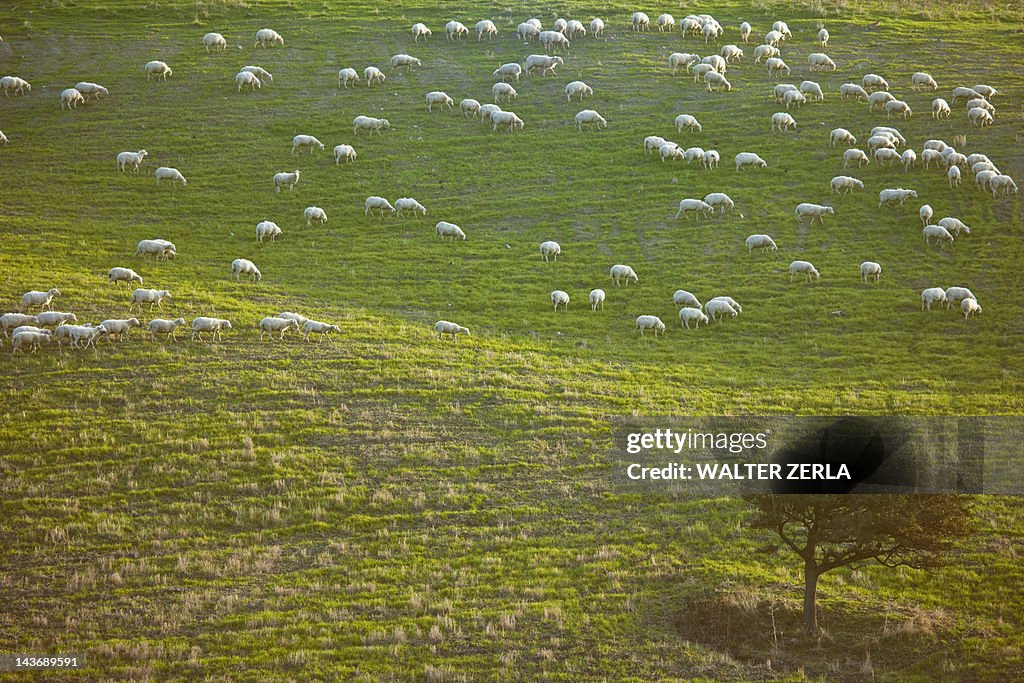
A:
(388, 507)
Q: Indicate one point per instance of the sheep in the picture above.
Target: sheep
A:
(782, 28)
(267, 229)
(711, 159)
(241, 266)
(776, 66)
(792, 97)
(983, 103)
(349, 74)
(29, 328)
(1002, 183)
(409, 204)
(686, 315)
(694, 154)
(699, 70)
(315, 213)
(13, 83)
(709, 30)
(270, 324)
(119, 275)
(841, 135)
(898, 107)
(641, 22)
(10, 321)
(455, 30)
(578, 88)
(527, 30)
(369, 123)
(666, 22)
(698, 206)
(889, 196)
(963, 93)
(653, 142)
(159, 249)
(420, 31)
(874, 82)
(727, 299)
(921, 80)
(621, 272)
(883, 154)
(267, 37)
(506, 70)
(812, 89)
(878, 100)
(772, 38)
(689, 122)
(119, 327)
(986, 91)
(439, 97)
(852, 90)
(54, 318)
(445, 229)
(71, 98)
(373, 75)
(506, 118)
(804, 268)
(285, 178)
(649, 322)
(683, 60)
(979, 117)
(954, 295)
(762, 242)
(783, 121)
(158, 69)
(876, 142)
(940, 108)
(3, 138)
(260, 73)
(938, 232)
(560, 298)
(930, 155)
(29, 338)
(925, 213)
(133, 159)
(214, 40)
(503, 90)
(469, 107)
(590, 116)
(780, 90)
(91, 90)
(745, 31)
(374, 202)
(983, 179)
(212, 325)
(891, 132)
(976, 157)
(323, 329)
(346, 152)
(670, 150)
(596, 27)
(35, 298)
(720, 200)
(719, 308)
(171, 174)
(969, 307)
(486, 110)
(954, 225)
(731, 53)
(749, 159)
(857, 155)
(303, 141)
(685, 299)
(932, 295)
(870, 269)
(715, 80)
(814, 211)
(247, 78)
(908, 159)
(954, 176)
(153, 297)
(546, 63)
(818, 61)
(486, 27)
(844, 184)
(763, 52)
(823, 37)
(550, 249)
(165, 327)
(551, 39)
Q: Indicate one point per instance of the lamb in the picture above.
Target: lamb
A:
(420, 31)
(711, 159)
(439, 97)
(71, 98)
(29, 338)
(687, 121)
(932, 295)
(503, 90)
(214, 40)
(304, 141)
(979, 117)
(347, 75)
(546, 64)
(260, 73)
(852, 90)
(908, 159)
(719, 200)
(792, 97)
(158, 69)
(248, 79)
(346, 152)
(870, 269)
(267, 37)
(119, 275)
(590, 116)
(716, 81)
(267, 229)
(844, 184)
(685, 299)
(505, 70)
(596, 299)
(35, 298)
(666, 22)
(954, 295)
(13, 83)
(969, 307)
(486, 26)
(550, 249)
(171, 174)
(621, 272)
(812, 89)
(10, 321)
(749, 159)
(323, 329)
(888, 197)
(315, 213)
(373, 75)
(165, 327)
(963, 93)
(719, 308)
(212, 325)
(369, 123)
(133, 159)
(684, 60)
(698, 206)
(285, 178)
(506, 118)
(55, 318)
(649, 322)
(551, 39)
(745, 31)
(938, 232)
(898, 107)
(469, 107)
(841, 135)
(762, 242)
(160, 249)
(874, 82)
(455, 30)
(560, 298)
(379, 203)
(445, 229)
(818, 61)
(119, 327)
(270, 324)
(241, 266)
(814, 211)
(409, 204)
(1002, 183)
(878, 100)
(527, 30)
(578, 88)
(153, 297)
(804, 268)
(776, 66)
(762, 52)
(641, 22)
(883, 154)
(823, 37)
(857, 155)
(596, 27)
(954, 225)
(732, 53)
(954, 176)
(921, 80)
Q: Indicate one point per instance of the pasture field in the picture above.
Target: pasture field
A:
(391, 507)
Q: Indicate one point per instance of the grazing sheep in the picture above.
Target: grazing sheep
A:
(241, 266)
(527, 30)
(165, 327)
(373, 75)
(930, 155)
(818, 61)
(898, 107)
(550, 39)
(445, 229)
(749, 159)
(54, 318)
(119, 275)
(503, 90)
(776, 66)
(954, 225)
(455, 30)
(506, 118)
(621, 272)
(247, 78)
(469, 107)
(719, 200)
(486, 27)
(666, 22)
(954, 176)
(133, 159)
(780, 90)
(153, 297)
(670, 150)
(369, 123)
(442, 327)
(592, 117)
(983, 103)
(285, 178)
(119, 327)
(745, 30)
(938, 232)
(772, 38)
(683, 60)
(304, 141)
(506, 70)
(321, 328)
(762, 242)
(954, 295)
(732, 53)
(19, 86)
(687, 315)
(315, 213)
(883, 154)
(578, 88)
(400, 60)
(649, 322)
(159, 249)
(983, 179)
(844, 184)
(641, 22)
(711, 159)
(420, 31)
(212, 325)
(698, 206)
(545, 63)
(699, 70)
(762, 52)
(35, 298)
(71, 98)
(653, 142)
(158, 69)
(925, 213)
(857, 155)
(716, 81)
(261, 73)
(689, 122)
(267, 229)
(823, 37)
(596, 27)
(91, 90)
(791, 97)
(874, 82)
(84, 333)
(932, 295)
(940, 108)
(717, 62)
(876, 142)
(969, 307)
(986, 91)
(550, 249)
(889, 196)
(374, 202)
(813, 90)
(717, 309)
(270, 324)
(963, 93)
(979, 117)
(783, 121)
(171, 174)
(440, 98)
(409, 204)
(560, 298)
(878, 100)
(1002, 183)
(596, 299)
(841, 135)
(348, 75)
(814, 211)
(804, 268)
(9, 321)
(29, 338)
(346, 152)
(683, 298)
(3, 138)
(852, 90)
(694, 154)
(921, 80)
(486, 110)
(267, 37)
(216, 41)
(870, 269)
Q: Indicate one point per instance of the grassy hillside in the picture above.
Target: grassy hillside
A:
(389, 507)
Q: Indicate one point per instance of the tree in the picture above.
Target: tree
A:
(830, 531)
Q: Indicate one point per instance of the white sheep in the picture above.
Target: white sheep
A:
(621, 272)
(954, 295)
(592, 117)
(271, 324)
(819, 61)
(315, 213)
(171, 174)
(688, 122)
(925, 213)
(745, 31)
(3, 138)
(857, 155)
(550, 250)
(921, 80)
(158, 69)
(683, 298)
(54, 318)
(380, 203)
(596, 299)
(878, 100)
(870, 269)
(649, 322)
(35, 298)
(813, 90)
(212, 325)
(841, 135)
(890, 196)
(780, 90)
(763, 52)
(969, 307)
(979, 116)
(749, 159)
(455, 30)
(19, 86)
(699, 70)
(983, 103)
(285, 178)
(71, 98)
(545, 63)
(409, 204)
(216, 41)
(526, 30)
(938, 232)
(983, 179)
(954, 225)
(10, 321)
(373, 75)
(719, 200)
(29, 338)
(793, 97)
(261, 73)
(486, 27)
(732, 53)
(930, 155)
(783, 121)
(267, 37)
(986, 91)
(908, 159)
(266, 229)
(596, 27)
(420, 31)
(133, 159)
(120, 327)
(954, 176)
(666, 22)
(940, 108)
(321, 328)
(161, 250)
(762, 242)
(844, 184)
(715, 80)
(711, 159)
(506, 118)
(717, 309)
(469, 107)
(876, 142)
(445, 229)
(782, 28)
(241, 266)
(932, 295)
(550, 39)
(578, 88)
(653, 142)
(439, 97)
(560, 298)
(772, 38)
(346, 152)
(803, 268)
(443, 327)
(641, 22)
(486, 110)
(369, 123)
(1002, 183)
(883, 154)
(684, 60)
(818, 211)
(91, 90)
(400, 60)
(348, 75)
(503, 91)
(874, 82)
(688, 315)
(303, 141)
(153, 297)
(119, 275)
(823, 37)
(670, 150)
(512, 69)
(964, 93)
(248, 79)
(898, 107)
(165, 327)
(852, 90)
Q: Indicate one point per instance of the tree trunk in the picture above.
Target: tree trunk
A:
(810, 597)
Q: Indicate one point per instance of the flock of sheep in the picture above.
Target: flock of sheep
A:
(29, 330)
